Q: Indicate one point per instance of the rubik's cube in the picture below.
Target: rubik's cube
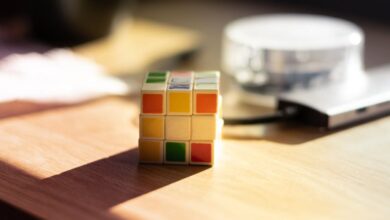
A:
(180, 117)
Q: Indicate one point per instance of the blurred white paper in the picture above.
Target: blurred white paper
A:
(57, 77)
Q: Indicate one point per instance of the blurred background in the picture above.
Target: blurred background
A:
(35, 26)
(129, 37)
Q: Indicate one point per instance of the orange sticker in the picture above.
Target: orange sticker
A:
(152, 103)
(206, 103)
(201, 152)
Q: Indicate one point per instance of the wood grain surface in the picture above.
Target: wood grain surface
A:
(80, 162)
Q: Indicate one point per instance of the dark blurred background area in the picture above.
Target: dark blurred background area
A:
(71, 22)
(58, 22)
(376, 9)
(210, 18)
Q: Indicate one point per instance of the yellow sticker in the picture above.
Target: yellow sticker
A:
(152, 127)
(179, 102)
(150, 151)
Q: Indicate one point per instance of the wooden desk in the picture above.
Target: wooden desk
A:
(80, 162)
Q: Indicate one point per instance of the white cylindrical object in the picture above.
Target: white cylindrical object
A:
(274, 53)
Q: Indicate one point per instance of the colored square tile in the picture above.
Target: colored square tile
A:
(152, 127)
(153, 103)
(180, 86)
(176, 152)
(201, 153)
(203, 127)
(206, 103)
(179, 102)
(178, 127)
(150, 151)
(157, 74)
(155, 80)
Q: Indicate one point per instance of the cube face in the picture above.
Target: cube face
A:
(176, 152)
(204, 127)
(179, 103)
(151, 151)
(152, 127)
(205, 103)
(179, 119)
(201, 152)
(178, 127)
(153, 103)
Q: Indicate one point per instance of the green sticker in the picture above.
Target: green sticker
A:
(155, 80)
(157, 74)
(175, 152)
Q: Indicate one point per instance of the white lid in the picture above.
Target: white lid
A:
(294, 32)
